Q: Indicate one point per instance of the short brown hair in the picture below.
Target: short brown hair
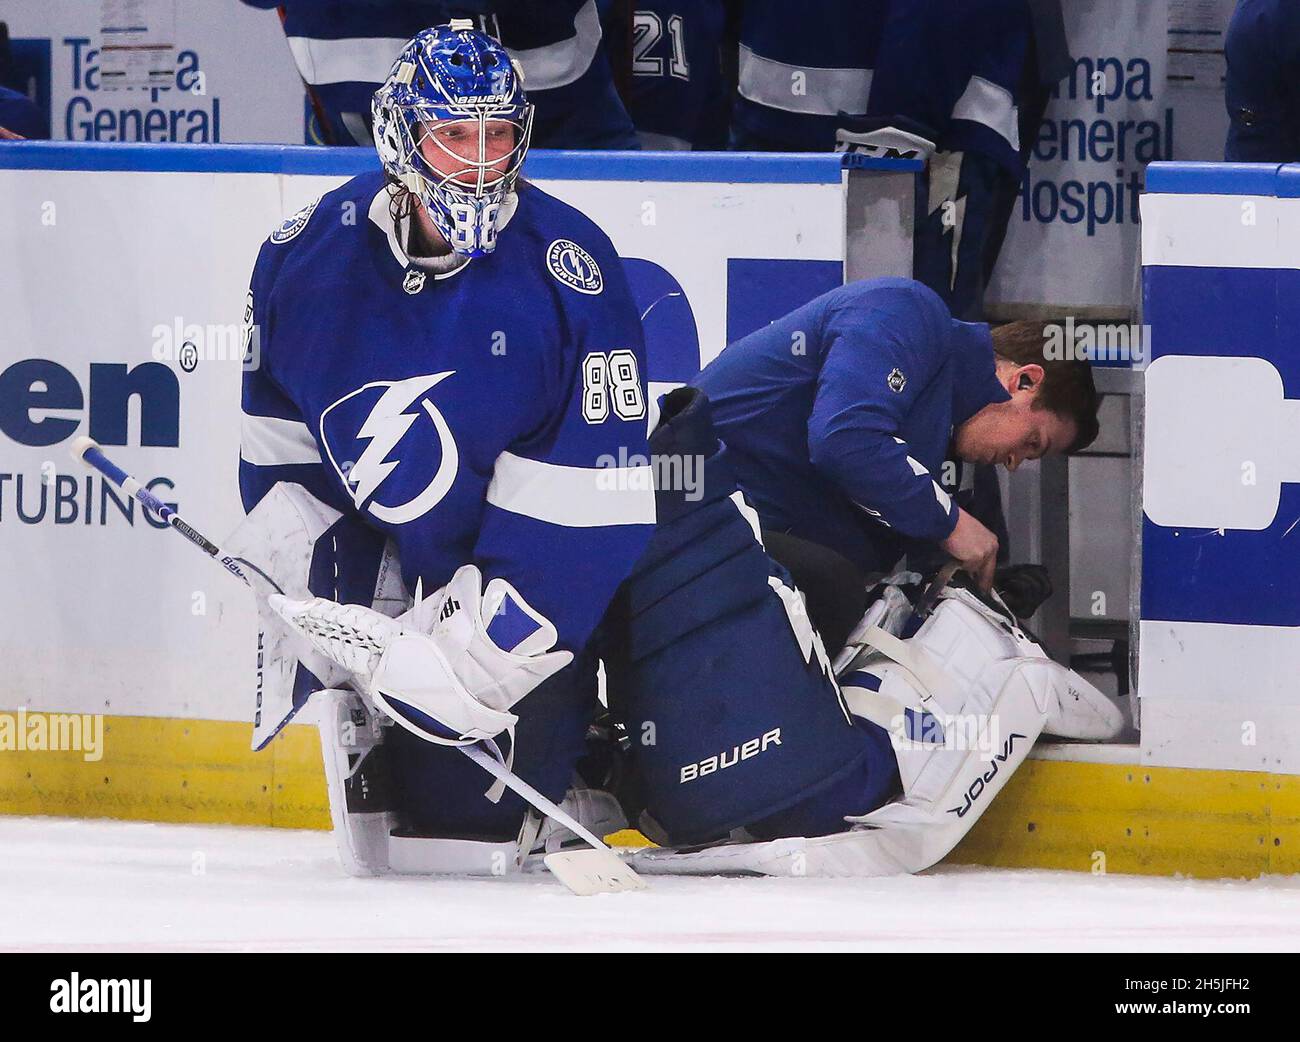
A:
(1067, 389)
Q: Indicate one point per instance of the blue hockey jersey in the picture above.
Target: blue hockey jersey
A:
(1263, 82)
(959, 69)
(20, 115)
(800, 66)
(493, 415)
(676, 95)
(952, 71)
(345, 48)
(838, 417)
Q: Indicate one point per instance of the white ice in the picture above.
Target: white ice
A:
(98, 885)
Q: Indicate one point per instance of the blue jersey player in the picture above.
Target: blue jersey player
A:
(675, 90)
(450, 392)
(1263, 82)
(343, 48)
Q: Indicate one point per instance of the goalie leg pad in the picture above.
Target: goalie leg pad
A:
(291, 543)
(357, 782)
(439, 792)
(724, 687)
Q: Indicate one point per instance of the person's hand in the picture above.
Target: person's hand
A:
(975, 547)
(9, 135)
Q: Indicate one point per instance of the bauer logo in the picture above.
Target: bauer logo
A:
(574, 266)
(294, 224)
(43, 403)
(731, 757)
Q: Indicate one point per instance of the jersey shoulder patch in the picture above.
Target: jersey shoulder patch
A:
(294, 224)
(574, 267)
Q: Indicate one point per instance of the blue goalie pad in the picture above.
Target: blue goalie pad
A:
(711, 662)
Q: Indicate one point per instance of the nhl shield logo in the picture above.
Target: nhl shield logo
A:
(574, 266)
(896, 380)
(294, 224)
(414, 280)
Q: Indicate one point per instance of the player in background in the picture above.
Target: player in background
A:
(20, 117)
(343, 49)
(671, 61)
(746, 723)
(450, 390)
(963, 85)
(803, 70)
(840, 416)
(960, 84)
(1263, 83)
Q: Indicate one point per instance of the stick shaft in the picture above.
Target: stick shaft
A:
(531, 795)
(93, 456)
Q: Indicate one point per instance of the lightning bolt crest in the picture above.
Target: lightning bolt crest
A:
(386, 425)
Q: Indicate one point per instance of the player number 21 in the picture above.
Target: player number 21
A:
(611, 380)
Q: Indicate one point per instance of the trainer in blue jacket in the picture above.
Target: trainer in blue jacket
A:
(838, 418)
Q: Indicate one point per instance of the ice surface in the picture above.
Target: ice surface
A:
(98, 885)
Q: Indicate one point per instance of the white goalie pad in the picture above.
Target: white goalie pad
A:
(350, 740)
(365, 822)
(276, 542)
(963, 700)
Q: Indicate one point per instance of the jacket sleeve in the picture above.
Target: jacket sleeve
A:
(881, 352)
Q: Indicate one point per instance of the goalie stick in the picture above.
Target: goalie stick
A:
(585, 872)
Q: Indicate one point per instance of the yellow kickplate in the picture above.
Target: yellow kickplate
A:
(1088, 817)
(153, 769)
(1095, 817)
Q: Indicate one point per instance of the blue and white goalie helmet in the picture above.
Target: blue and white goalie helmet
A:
(451, 125)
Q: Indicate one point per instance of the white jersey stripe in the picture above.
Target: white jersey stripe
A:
(266, 441)
(575, 497)
(559, 64)
(985, 102)
(353, 59)
(793, 88)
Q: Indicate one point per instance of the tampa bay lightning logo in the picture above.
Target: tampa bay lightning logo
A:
(294, 224)
(574, 266)
(379, 442)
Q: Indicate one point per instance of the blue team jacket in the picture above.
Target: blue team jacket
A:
(839, 416)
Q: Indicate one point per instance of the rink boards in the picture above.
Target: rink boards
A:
(108, 274)
(1102, 815)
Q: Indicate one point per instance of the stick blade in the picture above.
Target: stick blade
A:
(592, 871)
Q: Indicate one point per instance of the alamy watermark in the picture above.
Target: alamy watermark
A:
(965, 732)
(75, 994)
(21, 731)
(1095, 342)
(188, 343)
(632, 472)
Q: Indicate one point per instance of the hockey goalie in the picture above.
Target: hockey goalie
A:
(446, 561)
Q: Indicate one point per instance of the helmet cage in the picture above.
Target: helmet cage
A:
(422, 95)
(464, 197)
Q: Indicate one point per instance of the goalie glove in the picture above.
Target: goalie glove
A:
(451, 668)
(897, 138)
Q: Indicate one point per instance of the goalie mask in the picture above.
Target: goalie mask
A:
(451, 125)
